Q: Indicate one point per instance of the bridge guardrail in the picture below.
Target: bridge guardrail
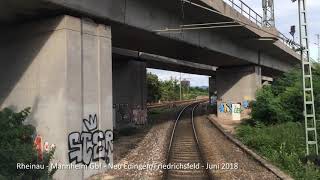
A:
(256, 18)
(245, 10)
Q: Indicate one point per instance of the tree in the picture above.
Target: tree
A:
(170, 90)
(153, 85)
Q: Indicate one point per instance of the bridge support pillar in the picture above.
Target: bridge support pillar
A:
(62, 69)
(212, 90)
(236, 85)
(130, 92)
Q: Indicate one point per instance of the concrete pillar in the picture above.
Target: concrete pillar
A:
(236, 85)
(62, 69)
(212, 89)
(130, 92)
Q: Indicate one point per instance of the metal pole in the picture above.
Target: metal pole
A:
(180, 88)
(318, 43)
(268, 19)
(308, 96)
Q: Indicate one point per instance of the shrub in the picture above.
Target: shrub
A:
(17, 146)
(276, 129)
(283, 100)
(283, 144)
(268, 108)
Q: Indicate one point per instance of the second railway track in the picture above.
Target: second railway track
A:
(183, 152)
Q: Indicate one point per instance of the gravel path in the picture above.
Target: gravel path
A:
(151, 150)
(227, 160)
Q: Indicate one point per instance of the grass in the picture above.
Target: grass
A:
(283, 145)
(164, 113)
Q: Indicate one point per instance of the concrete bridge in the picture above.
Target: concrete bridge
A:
(71, 60)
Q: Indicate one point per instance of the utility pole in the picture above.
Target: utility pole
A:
(180, 88)
(268, 13)
(318, 43)
(308, 96)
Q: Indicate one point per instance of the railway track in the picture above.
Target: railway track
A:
(174, 103)
(183, 152)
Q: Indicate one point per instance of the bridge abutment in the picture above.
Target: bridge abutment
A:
(62, 69)
(236, 85)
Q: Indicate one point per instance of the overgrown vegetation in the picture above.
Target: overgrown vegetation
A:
(282, 144)
(169, 90)
(276, 129)
(283, 100)
(163, 113)
(153, 85)
(17, 146)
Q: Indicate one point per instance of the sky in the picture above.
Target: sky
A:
(286, 15)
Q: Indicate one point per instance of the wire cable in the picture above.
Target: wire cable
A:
(236, 20)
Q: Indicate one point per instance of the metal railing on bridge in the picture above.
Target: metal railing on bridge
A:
(245, 10)
(256, 18)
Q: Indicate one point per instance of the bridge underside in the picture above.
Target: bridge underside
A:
(133, 23)
(163, 63)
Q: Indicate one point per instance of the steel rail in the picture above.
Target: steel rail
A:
(195, 105)
(174, 129)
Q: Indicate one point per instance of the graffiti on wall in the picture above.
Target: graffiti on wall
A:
(40, 146)
(123, 111)
(227, 107)
(131, 113)
(91, 144)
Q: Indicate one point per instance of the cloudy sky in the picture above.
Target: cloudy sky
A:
(286, 14)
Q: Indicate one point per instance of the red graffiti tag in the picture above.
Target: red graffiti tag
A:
(38, 144)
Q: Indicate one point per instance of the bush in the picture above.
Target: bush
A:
(268, 108)
(282, 144)
(283, 100)
(17, 146)
(276, 129)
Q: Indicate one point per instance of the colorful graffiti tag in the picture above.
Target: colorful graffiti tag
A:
(91, 144)
(40, 146)
(227, 107)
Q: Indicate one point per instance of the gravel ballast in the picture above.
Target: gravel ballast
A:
(150, 150)
(227, 160)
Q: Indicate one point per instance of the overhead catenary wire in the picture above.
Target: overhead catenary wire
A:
(200, 6)
(167, 30)
(207, 24)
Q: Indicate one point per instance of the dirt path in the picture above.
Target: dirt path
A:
(227, 160)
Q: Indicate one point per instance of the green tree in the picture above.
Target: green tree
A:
(170, 90)
(153, 85)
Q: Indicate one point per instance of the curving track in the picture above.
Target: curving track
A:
(184, 150)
